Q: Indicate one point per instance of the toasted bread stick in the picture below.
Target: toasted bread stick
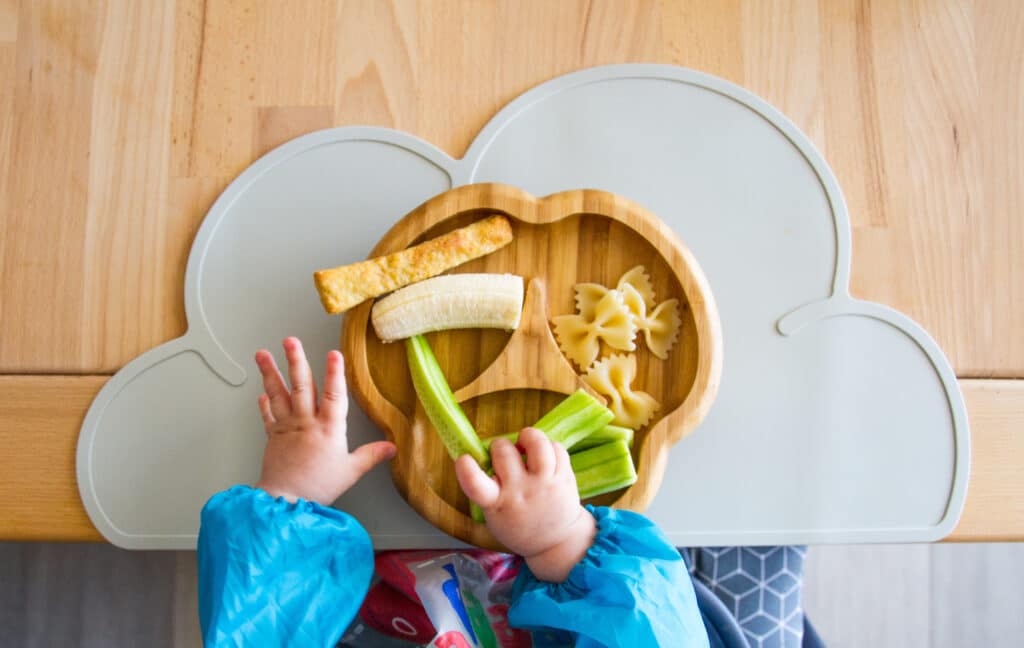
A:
(343, 287)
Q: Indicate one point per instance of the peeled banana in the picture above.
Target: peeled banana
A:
(450, 302)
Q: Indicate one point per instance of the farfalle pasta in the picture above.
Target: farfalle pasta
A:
(613, 378)
(605, 319)
(602, 313)
(660, 327)
(638, 278)
(587, 297)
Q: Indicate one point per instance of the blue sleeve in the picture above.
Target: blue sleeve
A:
(273, 573)
(631, 589)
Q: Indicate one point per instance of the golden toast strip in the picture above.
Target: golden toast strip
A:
(343, 287)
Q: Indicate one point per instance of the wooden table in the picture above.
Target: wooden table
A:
(121, 121)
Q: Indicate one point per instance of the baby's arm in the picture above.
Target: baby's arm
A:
(610, 577)
(270, 556)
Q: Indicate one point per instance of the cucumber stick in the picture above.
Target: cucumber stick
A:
(569, 422)
(439, 403)
(603, 469)
(476, 513)
(607, 434)
(574, 419)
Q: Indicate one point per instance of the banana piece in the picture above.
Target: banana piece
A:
(450, 302)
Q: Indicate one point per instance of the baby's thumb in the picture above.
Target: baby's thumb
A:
(475, 483)
(365, 457)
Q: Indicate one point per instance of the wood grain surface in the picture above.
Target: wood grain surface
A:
(994, 510)
(121, 121)
(530, 359)
(603, 235)
(39, 421)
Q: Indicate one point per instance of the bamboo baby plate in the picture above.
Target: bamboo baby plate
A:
(506, 381)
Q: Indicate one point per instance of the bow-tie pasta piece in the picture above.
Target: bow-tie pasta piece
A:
(613, 378)
(587, 297)
(639, 280)
(660, 327)
(608, 319)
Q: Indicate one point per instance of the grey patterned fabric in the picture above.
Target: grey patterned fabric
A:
(761, 586)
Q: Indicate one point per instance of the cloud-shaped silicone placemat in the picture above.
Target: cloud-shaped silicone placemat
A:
(837, 420)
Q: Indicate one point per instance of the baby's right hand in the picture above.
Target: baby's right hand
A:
(532, 508)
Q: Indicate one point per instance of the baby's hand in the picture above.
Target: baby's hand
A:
(533, 509)
(307, 447)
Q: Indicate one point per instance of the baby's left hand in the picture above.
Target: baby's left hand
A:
(307, 452)
(532, 507)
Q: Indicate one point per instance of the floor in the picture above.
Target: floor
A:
(944, 596)
(886, 595)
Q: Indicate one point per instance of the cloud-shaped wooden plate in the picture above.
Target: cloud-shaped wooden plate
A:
(506, 381)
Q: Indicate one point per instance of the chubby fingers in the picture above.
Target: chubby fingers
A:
(273, 385)
(265, 413)
(475, 483)
(563, 467)
(334, 400)
(365, 457)
(507, 462)
(301, 376)
(540, 453)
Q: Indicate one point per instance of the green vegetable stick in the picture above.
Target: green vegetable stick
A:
(476, 513)
(603, 469)
(607, 434)
(511, 436)
(439, 403)
(574, 419)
